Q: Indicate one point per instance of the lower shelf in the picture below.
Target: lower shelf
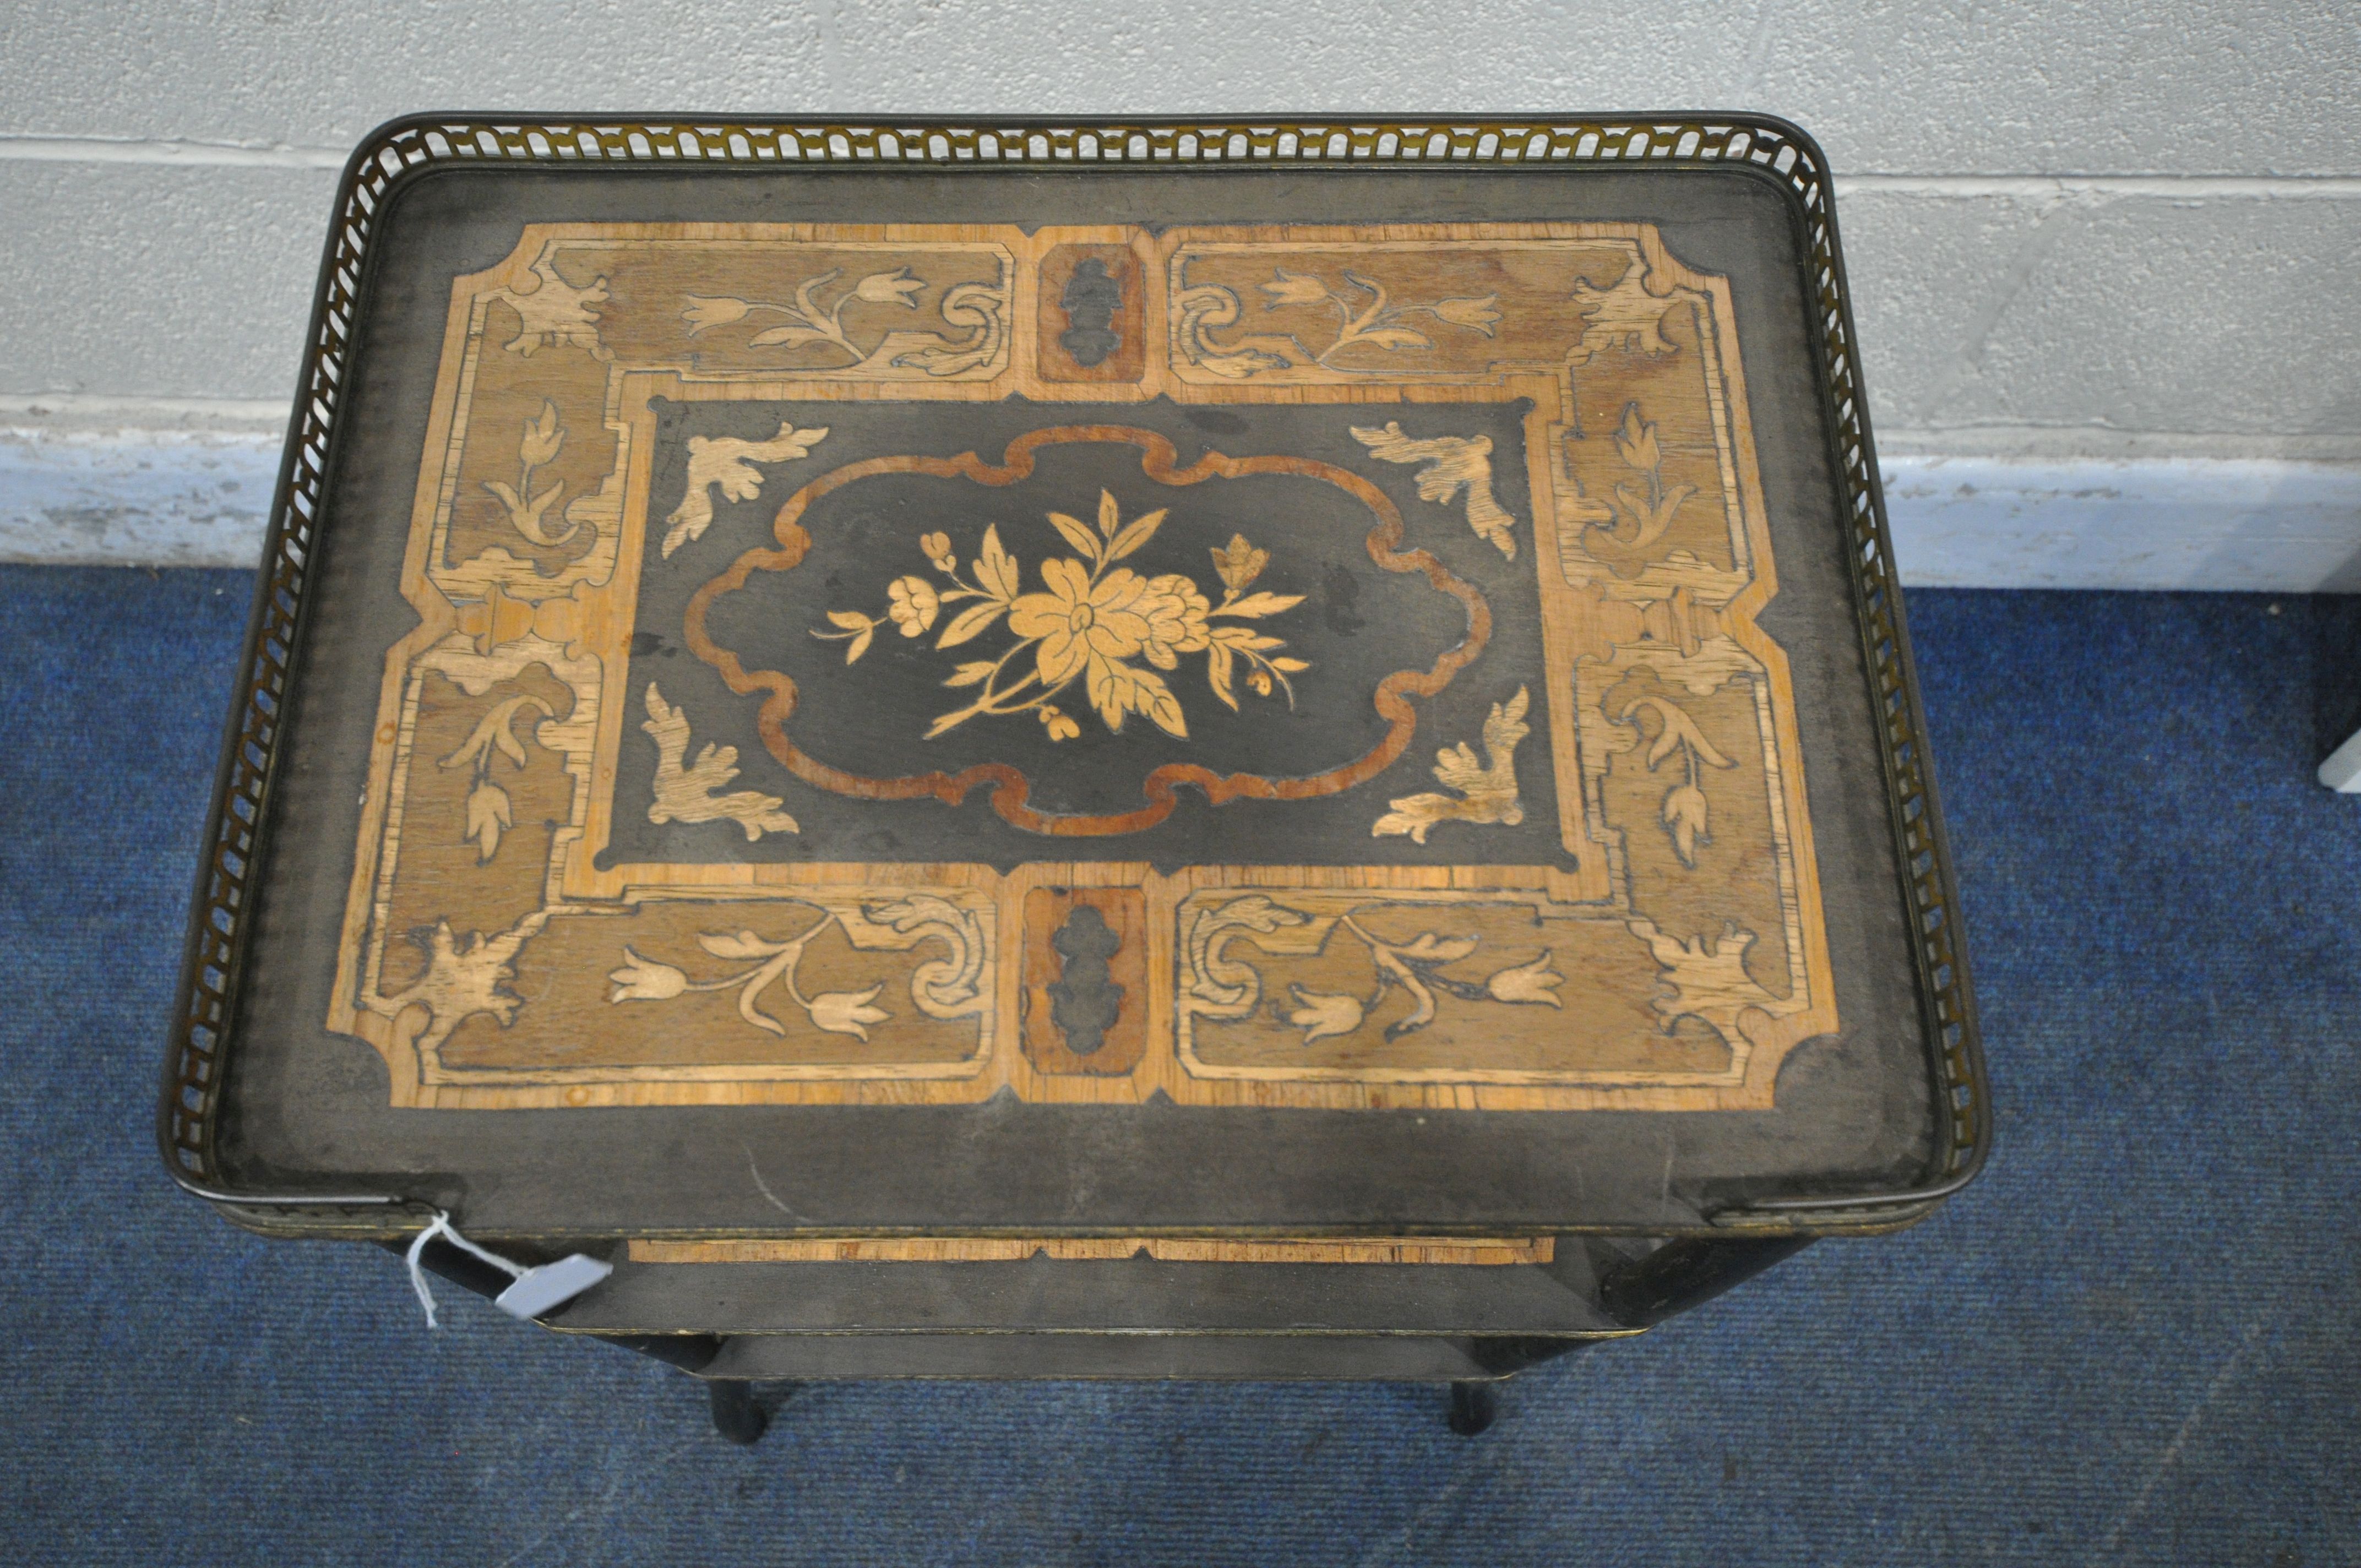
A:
(1408, 1358)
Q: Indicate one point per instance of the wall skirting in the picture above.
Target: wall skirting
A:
(2262, 525)
(195, 495)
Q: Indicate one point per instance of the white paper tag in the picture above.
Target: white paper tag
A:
(543, 1290)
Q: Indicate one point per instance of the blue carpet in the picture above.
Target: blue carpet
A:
(2133, 1342)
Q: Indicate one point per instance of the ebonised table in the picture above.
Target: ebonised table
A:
(1128, 750)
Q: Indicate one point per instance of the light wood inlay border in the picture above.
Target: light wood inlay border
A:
(1471, 1251)
(1622, 625)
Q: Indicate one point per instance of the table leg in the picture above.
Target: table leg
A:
(736, 1416)
(1473, 1407)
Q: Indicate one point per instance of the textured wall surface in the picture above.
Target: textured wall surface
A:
(2075, 233)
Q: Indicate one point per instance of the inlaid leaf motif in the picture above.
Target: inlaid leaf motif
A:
(1486, 789)
(537, 446)
(488, 808)
(859, 629)
(1132, 536)
(1705, 978)
(1453, 462)
(1118, 688)
(1679, 730)
(695, 790)
(995, 568)
(967, 625)
(739, 945)
(1218, 669)
(790, 334)
(727, 464)
(1685, 809)
(1644, 515)
(1258, 605)
(554, 313)
(464, 977)
(1625, 316)
(1072, 531)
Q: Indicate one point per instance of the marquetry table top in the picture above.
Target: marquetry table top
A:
(998, 712)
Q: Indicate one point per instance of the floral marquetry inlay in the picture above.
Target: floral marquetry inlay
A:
(899, 663)
(1090, 622)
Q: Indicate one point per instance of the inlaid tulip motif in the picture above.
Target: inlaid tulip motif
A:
(768, 963)
(1416, 966)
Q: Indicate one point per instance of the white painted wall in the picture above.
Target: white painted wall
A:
(2107, 259)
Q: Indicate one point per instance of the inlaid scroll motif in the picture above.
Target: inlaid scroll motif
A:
(974, 314)
(1216, 986)
(765, 967)
(1369, 324)
(1222, 987)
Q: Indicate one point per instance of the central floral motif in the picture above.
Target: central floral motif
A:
(1090, 622)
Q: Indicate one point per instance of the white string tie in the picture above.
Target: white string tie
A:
(448, 1231)
(535, 1290)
